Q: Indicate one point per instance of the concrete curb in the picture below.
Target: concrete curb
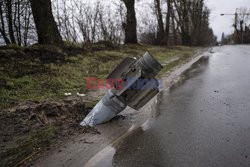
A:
(78, 152)
(150, 108)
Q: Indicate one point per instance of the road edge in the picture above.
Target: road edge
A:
(85, 147)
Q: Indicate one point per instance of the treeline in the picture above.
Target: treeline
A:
(241, 34)
(158, 22)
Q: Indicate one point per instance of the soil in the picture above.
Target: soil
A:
(80, 149)
(41, 122)
(35, 128)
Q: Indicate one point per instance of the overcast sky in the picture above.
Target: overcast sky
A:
(218, 23)
(224, 23)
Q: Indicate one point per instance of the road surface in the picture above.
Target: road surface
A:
(203, 121)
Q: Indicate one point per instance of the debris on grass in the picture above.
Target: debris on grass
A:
(43, 94)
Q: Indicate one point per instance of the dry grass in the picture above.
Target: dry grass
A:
(25, 76)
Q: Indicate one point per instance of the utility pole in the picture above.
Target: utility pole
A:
(236, 14)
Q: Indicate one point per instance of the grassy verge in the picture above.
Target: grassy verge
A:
(25, 77)
(41, 73)
(27, 145)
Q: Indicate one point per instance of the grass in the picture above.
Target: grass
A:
(25, 77)
(27, 145)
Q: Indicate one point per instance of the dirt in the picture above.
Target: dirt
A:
(18, 58)
(37, 121)
(31, 128)
(30, 115)
(81, 149)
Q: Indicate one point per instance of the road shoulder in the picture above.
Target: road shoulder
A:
(79, 149)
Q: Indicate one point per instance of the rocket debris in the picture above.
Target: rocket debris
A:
(117, 99)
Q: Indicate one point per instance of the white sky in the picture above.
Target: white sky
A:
(224, 23)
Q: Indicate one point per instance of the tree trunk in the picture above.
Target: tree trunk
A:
(130, 26)
(2, 30)
(160, 33)
(186, 39)
(174, 31)
(10, 21)
(47, 29)
(168, 20)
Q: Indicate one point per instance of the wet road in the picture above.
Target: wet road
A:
(204, 120)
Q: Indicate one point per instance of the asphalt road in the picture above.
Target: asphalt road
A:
(203, 121)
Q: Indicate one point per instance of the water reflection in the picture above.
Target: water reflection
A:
(137, 155)
(197, 68)
(142, 147)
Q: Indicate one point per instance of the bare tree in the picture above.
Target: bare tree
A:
(45, 24)
(16, 25)
(2, 28)
(10, 20)
(130, 25)
(161, 31)
(169, 8)
(241, 18)
(191, 19)
(177, 22)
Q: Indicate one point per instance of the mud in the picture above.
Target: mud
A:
(76, 152)
(36, 118)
